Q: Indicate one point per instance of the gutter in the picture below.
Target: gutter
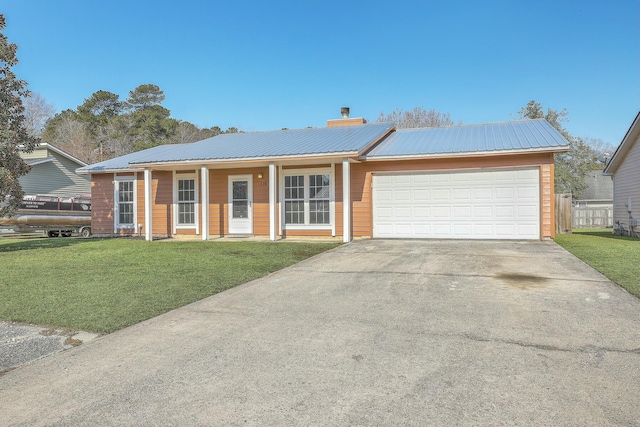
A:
(560, 149)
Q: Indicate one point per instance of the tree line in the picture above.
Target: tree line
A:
(103, 126)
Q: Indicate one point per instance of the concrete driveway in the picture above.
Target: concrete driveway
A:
(371, 333)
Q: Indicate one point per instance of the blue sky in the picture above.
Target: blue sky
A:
(263, 65)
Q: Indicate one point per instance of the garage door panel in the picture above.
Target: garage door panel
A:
(462, 194)
(440, 212)
(504, 212)
(384, 194)
(402, 179)
(462, 230)
(421, 194)
(402, 195)
(482, 193)
(442, 194)
(422, 230)
(502, 204)
(526, 229)
(505, 230)
(422, 212)
(462, 212)
(530, 211)
(482, 212)
(403, 213)
(483, 230)
(440, 178)
(384, 213)
(461, 178)
(530, 193)
(504, 176)
(504, 193)
(421, 178)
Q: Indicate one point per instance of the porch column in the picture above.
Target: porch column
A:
(204, 201)
(272, 201)
(148, 223)
(346, 201)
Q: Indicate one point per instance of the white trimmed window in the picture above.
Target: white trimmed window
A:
(185, 199)
(307, 198)
(125, 206)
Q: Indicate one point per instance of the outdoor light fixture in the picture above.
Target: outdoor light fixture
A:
(259, 176)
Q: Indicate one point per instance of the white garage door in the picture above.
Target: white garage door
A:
(499, 204)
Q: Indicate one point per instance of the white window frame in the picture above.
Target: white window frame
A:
(195, 226)
(306, 173)
(116, 203)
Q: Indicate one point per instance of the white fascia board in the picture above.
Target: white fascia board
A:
(90, 172)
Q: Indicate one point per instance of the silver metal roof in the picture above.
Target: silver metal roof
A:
(122, 162)
(276, 144)
(514, 136)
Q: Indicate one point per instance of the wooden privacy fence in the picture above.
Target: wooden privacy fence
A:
(563, 213)
(592, 216)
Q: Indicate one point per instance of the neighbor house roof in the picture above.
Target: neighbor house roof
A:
(45, 146)
(488, 138)
(599, 187)
(625, 146)
(368, 141)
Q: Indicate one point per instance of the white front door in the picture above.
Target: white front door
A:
(240, 204)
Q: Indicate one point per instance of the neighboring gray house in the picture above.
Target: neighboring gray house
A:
(594, 208)
(624, 167)
(53, 172)
(599, 191)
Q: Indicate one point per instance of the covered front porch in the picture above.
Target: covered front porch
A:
(279, 199)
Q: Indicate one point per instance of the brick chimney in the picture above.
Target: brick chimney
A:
(345, 120)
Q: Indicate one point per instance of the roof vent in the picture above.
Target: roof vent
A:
(345, 112)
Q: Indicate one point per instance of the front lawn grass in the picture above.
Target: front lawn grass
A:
(617, 257)
(103, 285)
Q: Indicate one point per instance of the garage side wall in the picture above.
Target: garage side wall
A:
(362, 179)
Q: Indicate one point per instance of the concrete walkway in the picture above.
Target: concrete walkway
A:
(371, 333)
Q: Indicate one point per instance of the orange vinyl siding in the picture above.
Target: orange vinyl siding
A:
(186, 231)
(162, 203)
(304, 233)
(102, 204)
(260, 201)
(547, 200)
(218, 192)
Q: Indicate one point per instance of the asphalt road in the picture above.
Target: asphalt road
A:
(378, 332)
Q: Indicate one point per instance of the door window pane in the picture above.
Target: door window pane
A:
(240, 199)
(240, 190)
